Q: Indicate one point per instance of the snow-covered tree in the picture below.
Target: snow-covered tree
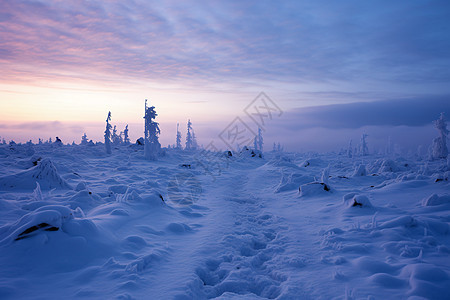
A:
(189, 139)
(84, 139)
(274, 147)
(389, 147)
(364, 150)
(194, 140)
(151, 131)
(126, 139)
(116, 138)
(260, 140)
(439, 146)
(108, 134)
(255, 142)
(419, 152)
(178, 146)
(350, 149)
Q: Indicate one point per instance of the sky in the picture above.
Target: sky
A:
(334, 69)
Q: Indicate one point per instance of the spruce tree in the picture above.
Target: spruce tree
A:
(151, 131)
(108, 134)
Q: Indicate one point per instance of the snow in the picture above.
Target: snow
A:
(76, 222)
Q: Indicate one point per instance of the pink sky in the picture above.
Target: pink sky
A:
(65, 64)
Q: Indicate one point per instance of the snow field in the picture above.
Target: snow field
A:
(77, 223)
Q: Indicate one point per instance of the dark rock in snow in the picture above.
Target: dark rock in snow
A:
(140, 141)
(43, 226)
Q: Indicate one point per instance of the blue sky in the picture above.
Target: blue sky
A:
(72, 61)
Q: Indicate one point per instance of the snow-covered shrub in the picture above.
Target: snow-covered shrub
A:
(84, 139)
(29, 149)
(291, 181)
(316, 187)
(37, 193)
(360, 171)
(325, 176)
(58, 142)
(389, 165)
(439, 146)
(383, 166)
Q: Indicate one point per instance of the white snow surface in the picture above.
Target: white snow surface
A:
(77, 223)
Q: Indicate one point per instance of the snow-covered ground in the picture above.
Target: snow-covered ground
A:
(78, 223)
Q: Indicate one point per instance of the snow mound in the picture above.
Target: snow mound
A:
(44, 173)
(292, 181)
(355, 200)
(84, 199)
(282, 161)
(45, 218)
(434, 200)
(313, 188)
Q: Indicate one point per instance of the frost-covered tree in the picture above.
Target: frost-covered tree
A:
(419, 152)
(389, 147)
(189, 140)
(84, 139)
(116, 138)
(178, 145)
(364, 150)
(194, 140)
(151, 131)
(439, 147)
(114, 135)
(325, 175)
(260, 140)
(350, 149)
(126, 138)
(108, 134)
(255, 142)
(274, 147)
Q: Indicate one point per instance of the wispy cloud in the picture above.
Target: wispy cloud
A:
(232, 40)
